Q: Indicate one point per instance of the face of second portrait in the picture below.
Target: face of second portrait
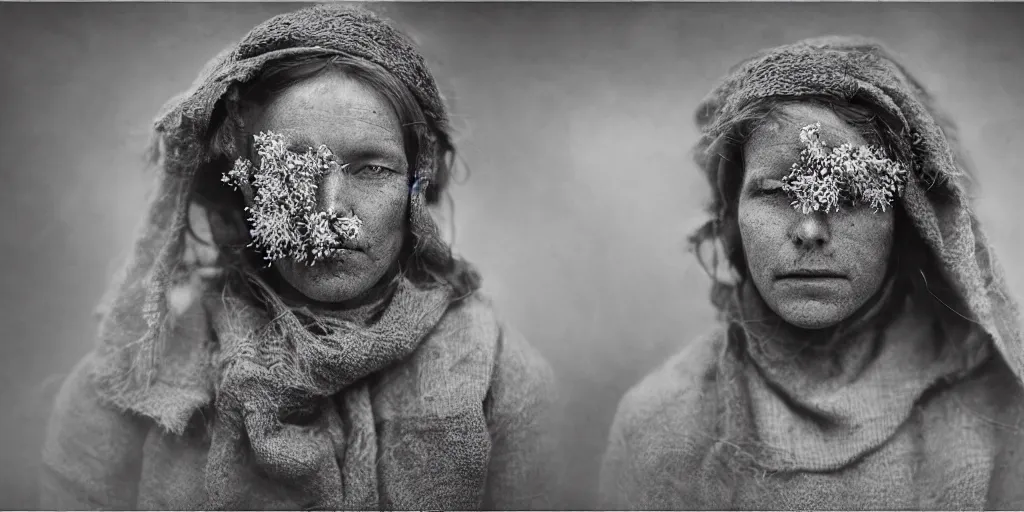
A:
(813, 269)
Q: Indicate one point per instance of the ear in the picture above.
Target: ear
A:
(731, 242)
(712, 249)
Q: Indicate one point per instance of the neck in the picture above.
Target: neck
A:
(841, 349)
(361, 308)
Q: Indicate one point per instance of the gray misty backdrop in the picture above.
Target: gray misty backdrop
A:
(575, 121)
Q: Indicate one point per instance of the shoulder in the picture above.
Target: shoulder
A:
(519, 376)
(470, 322)
(672, 399)
(90, 445)
(79, 393)
(474, 323)
(518, 360)
(472, 352)
(464, 339)
(522, 378)
(664, 424)
(996, 399)
(79, 404)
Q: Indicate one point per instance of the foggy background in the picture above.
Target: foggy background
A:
(575, 121)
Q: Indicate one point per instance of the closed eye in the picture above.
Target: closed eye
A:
(372, 171)
(769, 187)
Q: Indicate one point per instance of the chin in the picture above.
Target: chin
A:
(328, 294)
(326, 282)
(811, 314)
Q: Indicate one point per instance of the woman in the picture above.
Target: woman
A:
(870, 356)
(333, 354)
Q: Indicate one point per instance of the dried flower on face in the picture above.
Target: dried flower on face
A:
(825, 177)
(283, 215)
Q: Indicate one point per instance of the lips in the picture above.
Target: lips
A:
(811, 274)
(348, 247)
(340, 253)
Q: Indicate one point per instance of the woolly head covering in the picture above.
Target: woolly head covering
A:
(136, 322)
(860, 70)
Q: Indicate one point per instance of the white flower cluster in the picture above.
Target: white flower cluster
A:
(825, 177)
(285, 221)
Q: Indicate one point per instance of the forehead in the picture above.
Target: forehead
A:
(332, 108)
(775, 145)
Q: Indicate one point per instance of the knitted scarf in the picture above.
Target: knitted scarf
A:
(293, 367)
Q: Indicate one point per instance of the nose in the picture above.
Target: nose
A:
(334, 193)
(811, 231)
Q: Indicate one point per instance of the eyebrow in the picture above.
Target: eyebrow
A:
(374, 151)
(361, 150)
(298, 142)
(774, 161)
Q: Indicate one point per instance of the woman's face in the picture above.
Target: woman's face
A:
(813, 270)
(361, 128)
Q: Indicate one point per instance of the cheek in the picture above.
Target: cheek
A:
(762, 232)
(867, 239)
(383, 210)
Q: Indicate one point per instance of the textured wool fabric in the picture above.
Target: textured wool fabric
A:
(910, 407)
(461, 424)
(237, 400)
(819, 405)
(271, 373)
